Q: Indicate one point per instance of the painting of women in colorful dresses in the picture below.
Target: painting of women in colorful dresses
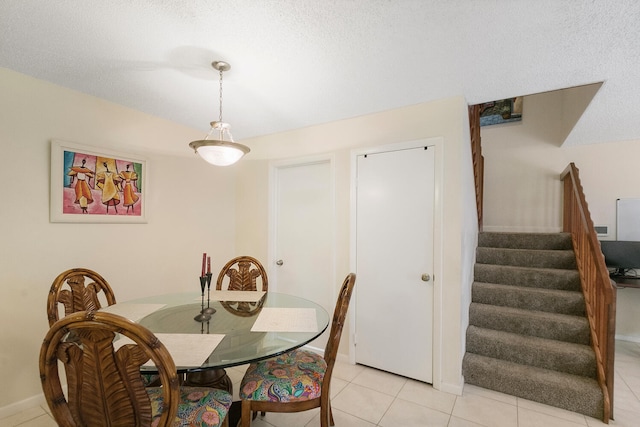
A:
(82, 177)
(100, 185)
(128, 190)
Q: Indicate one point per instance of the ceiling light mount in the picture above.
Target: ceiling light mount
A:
(221, 66)
(222, 150)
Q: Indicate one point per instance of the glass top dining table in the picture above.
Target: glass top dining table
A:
(234, 319)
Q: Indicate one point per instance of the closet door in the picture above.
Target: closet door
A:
(394, 258)
(304, 243)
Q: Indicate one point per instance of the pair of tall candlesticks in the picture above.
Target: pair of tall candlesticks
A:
(205, 282)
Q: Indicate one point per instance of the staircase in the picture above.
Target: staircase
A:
(528, 334)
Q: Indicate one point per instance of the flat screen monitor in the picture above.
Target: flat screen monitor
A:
(621, 256)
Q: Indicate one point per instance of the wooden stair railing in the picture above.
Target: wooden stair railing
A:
(477, 158)
(597, 287)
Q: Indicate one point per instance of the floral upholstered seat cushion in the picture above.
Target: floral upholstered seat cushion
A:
(290, 377)
(198, 407)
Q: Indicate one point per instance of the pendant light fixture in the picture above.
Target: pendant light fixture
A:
(220, 150)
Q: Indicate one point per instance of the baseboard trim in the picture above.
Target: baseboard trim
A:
(520, 229)
(313, 349)
(343, 358)
(628, 338)
(452, 388)
(23, 405)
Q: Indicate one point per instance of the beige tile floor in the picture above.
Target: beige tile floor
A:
(365, 397)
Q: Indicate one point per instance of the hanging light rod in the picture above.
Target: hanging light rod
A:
(222, 151)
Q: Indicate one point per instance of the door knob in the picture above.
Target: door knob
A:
(426, 277)
(279, 262)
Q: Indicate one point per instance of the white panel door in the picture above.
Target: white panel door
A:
(394, 259)
(303, 251)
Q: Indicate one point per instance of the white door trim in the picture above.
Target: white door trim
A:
(438, 224)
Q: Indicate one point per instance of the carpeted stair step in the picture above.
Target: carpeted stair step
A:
(571, 392)
(548, 300)
(538, 258)
(570, 358)
(548, 278)
(528, 335)
(561, 327)
(560, 241)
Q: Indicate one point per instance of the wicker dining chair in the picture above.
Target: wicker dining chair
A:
(104, 387)
(80, 289)
(74, 292)
(243, 273)
(298, 380)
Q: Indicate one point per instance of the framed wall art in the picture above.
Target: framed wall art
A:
(92, 185)
(502, 111)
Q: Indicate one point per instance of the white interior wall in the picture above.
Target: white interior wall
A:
(446, 118)
(191, 209)
(522, 162)
(469, 233)
(523, 191)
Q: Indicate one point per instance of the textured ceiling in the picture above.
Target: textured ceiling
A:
(296, 63)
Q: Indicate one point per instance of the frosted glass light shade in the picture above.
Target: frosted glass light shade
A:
(222, 151)
(219, 153)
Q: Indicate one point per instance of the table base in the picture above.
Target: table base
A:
(215, 378)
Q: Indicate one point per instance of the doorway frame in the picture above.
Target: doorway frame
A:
(438, 224)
